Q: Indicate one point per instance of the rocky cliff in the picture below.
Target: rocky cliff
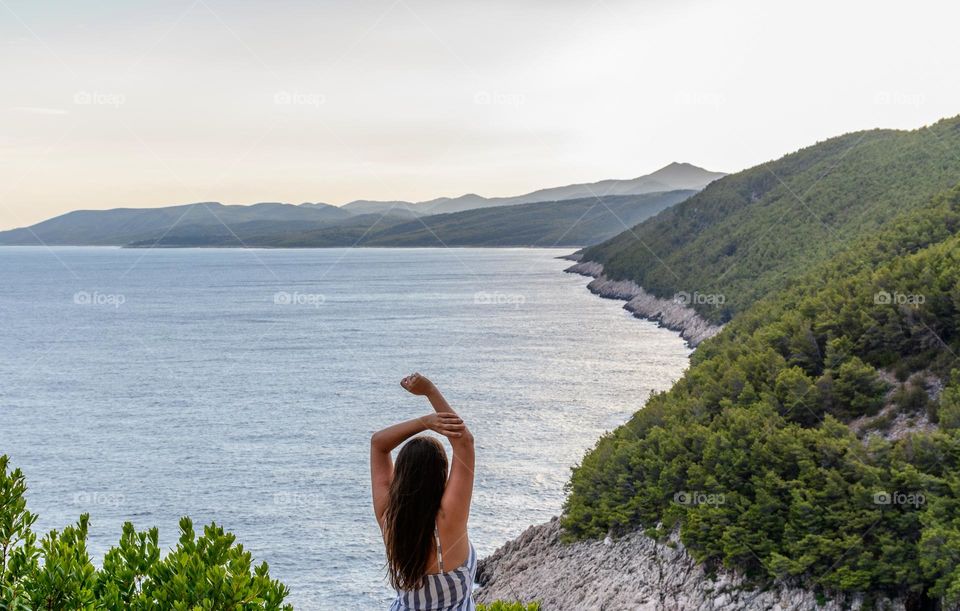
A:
(673, 315)
(634, 572)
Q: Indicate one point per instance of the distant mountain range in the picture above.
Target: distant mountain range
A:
(541, 224)
(573, 215)
(676, 176)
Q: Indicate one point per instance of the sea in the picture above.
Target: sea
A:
(241, 386)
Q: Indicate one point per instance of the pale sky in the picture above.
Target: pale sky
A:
(136, 103)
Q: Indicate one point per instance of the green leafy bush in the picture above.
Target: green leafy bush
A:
(208, 572)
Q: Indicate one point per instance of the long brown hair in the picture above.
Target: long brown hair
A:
(419, 477)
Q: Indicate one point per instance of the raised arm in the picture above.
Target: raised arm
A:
(459, 490)
(384, 441)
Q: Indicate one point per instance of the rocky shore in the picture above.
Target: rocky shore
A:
(670, 314)
(634, 572)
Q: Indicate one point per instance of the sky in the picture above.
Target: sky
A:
(138, 104)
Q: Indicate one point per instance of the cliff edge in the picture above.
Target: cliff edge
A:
(634, 572)
(673, 315)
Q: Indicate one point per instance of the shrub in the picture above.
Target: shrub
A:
(203, 572)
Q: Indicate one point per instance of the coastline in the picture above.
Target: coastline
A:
(635, 571)
(632, 572)
(669, 314)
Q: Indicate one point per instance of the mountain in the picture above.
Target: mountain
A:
(213, 223)
(674, 177)
(340, 233)
(365, 206)
(671, 177)
(443, 205)
(124, 225)
(752, 233)
(563, 223)
(545, 224)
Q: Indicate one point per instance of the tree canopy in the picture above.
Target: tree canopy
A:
(770, 455)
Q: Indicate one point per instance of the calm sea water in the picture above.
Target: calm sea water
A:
(242, 386)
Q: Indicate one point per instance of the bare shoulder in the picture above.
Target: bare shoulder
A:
(454, 540)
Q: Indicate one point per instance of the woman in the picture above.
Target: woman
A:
(421, 510)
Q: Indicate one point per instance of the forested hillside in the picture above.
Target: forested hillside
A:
(753, 232)
(816, 438)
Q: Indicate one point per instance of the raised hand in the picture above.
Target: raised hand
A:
(447, 424)
(417, 384)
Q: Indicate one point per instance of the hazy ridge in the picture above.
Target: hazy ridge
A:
(607, 207)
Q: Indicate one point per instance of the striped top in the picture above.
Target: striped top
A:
(450, 591)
